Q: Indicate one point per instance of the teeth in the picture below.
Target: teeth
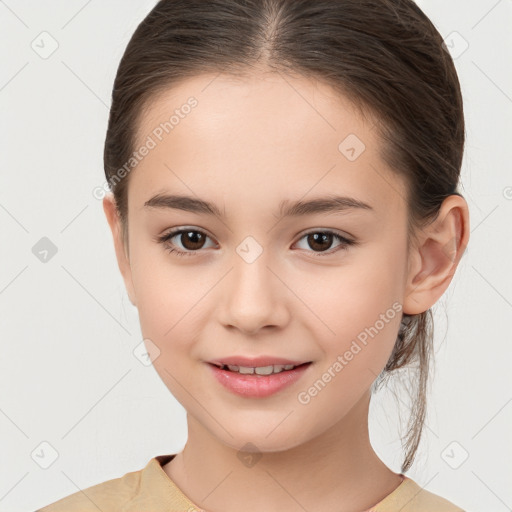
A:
(260, 370)
(267, 370)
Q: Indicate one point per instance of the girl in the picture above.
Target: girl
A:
(284, 213)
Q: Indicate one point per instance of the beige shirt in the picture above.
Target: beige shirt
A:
(151, 490)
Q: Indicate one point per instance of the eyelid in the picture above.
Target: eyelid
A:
(180, 230)
(345, 241)
(332, 231)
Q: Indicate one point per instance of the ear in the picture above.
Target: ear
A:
(436, 255)
(123, 261)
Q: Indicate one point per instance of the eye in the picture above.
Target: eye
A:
(191, 239)
(322, 240)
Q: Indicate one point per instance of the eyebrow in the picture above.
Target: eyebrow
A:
(330, 204)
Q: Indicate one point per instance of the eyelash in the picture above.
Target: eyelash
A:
(164, 240)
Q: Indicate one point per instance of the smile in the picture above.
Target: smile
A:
(259, 381)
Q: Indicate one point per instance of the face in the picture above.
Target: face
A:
(322, 284)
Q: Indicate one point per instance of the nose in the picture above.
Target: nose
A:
(254, 297)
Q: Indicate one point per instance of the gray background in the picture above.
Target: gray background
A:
(74, 398)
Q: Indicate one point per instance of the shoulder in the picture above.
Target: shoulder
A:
(410, 497)
(102, 496)
(148, 488)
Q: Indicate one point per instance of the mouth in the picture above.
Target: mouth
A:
(269, 369)
(256, 379)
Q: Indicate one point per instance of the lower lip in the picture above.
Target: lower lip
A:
(257, 386)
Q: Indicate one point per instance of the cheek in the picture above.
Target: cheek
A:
(169, 315)
(357, 304)
(172, 304)
(163, 292)
(363, 319)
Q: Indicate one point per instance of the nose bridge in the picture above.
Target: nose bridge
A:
(254, 296)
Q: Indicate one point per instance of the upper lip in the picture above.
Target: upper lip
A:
(253, 362)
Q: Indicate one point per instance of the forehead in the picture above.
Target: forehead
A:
(269, 135)
(241, 105)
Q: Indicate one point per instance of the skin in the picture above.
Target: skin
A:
(249, 144)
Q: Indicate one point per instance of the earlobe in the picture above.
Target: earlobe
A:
(435, 258)
(123, 261)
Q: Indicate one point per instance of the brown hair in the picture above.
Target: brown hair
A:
(386, 56)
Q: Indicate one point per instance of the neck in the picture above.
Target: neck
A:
(338, 470)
